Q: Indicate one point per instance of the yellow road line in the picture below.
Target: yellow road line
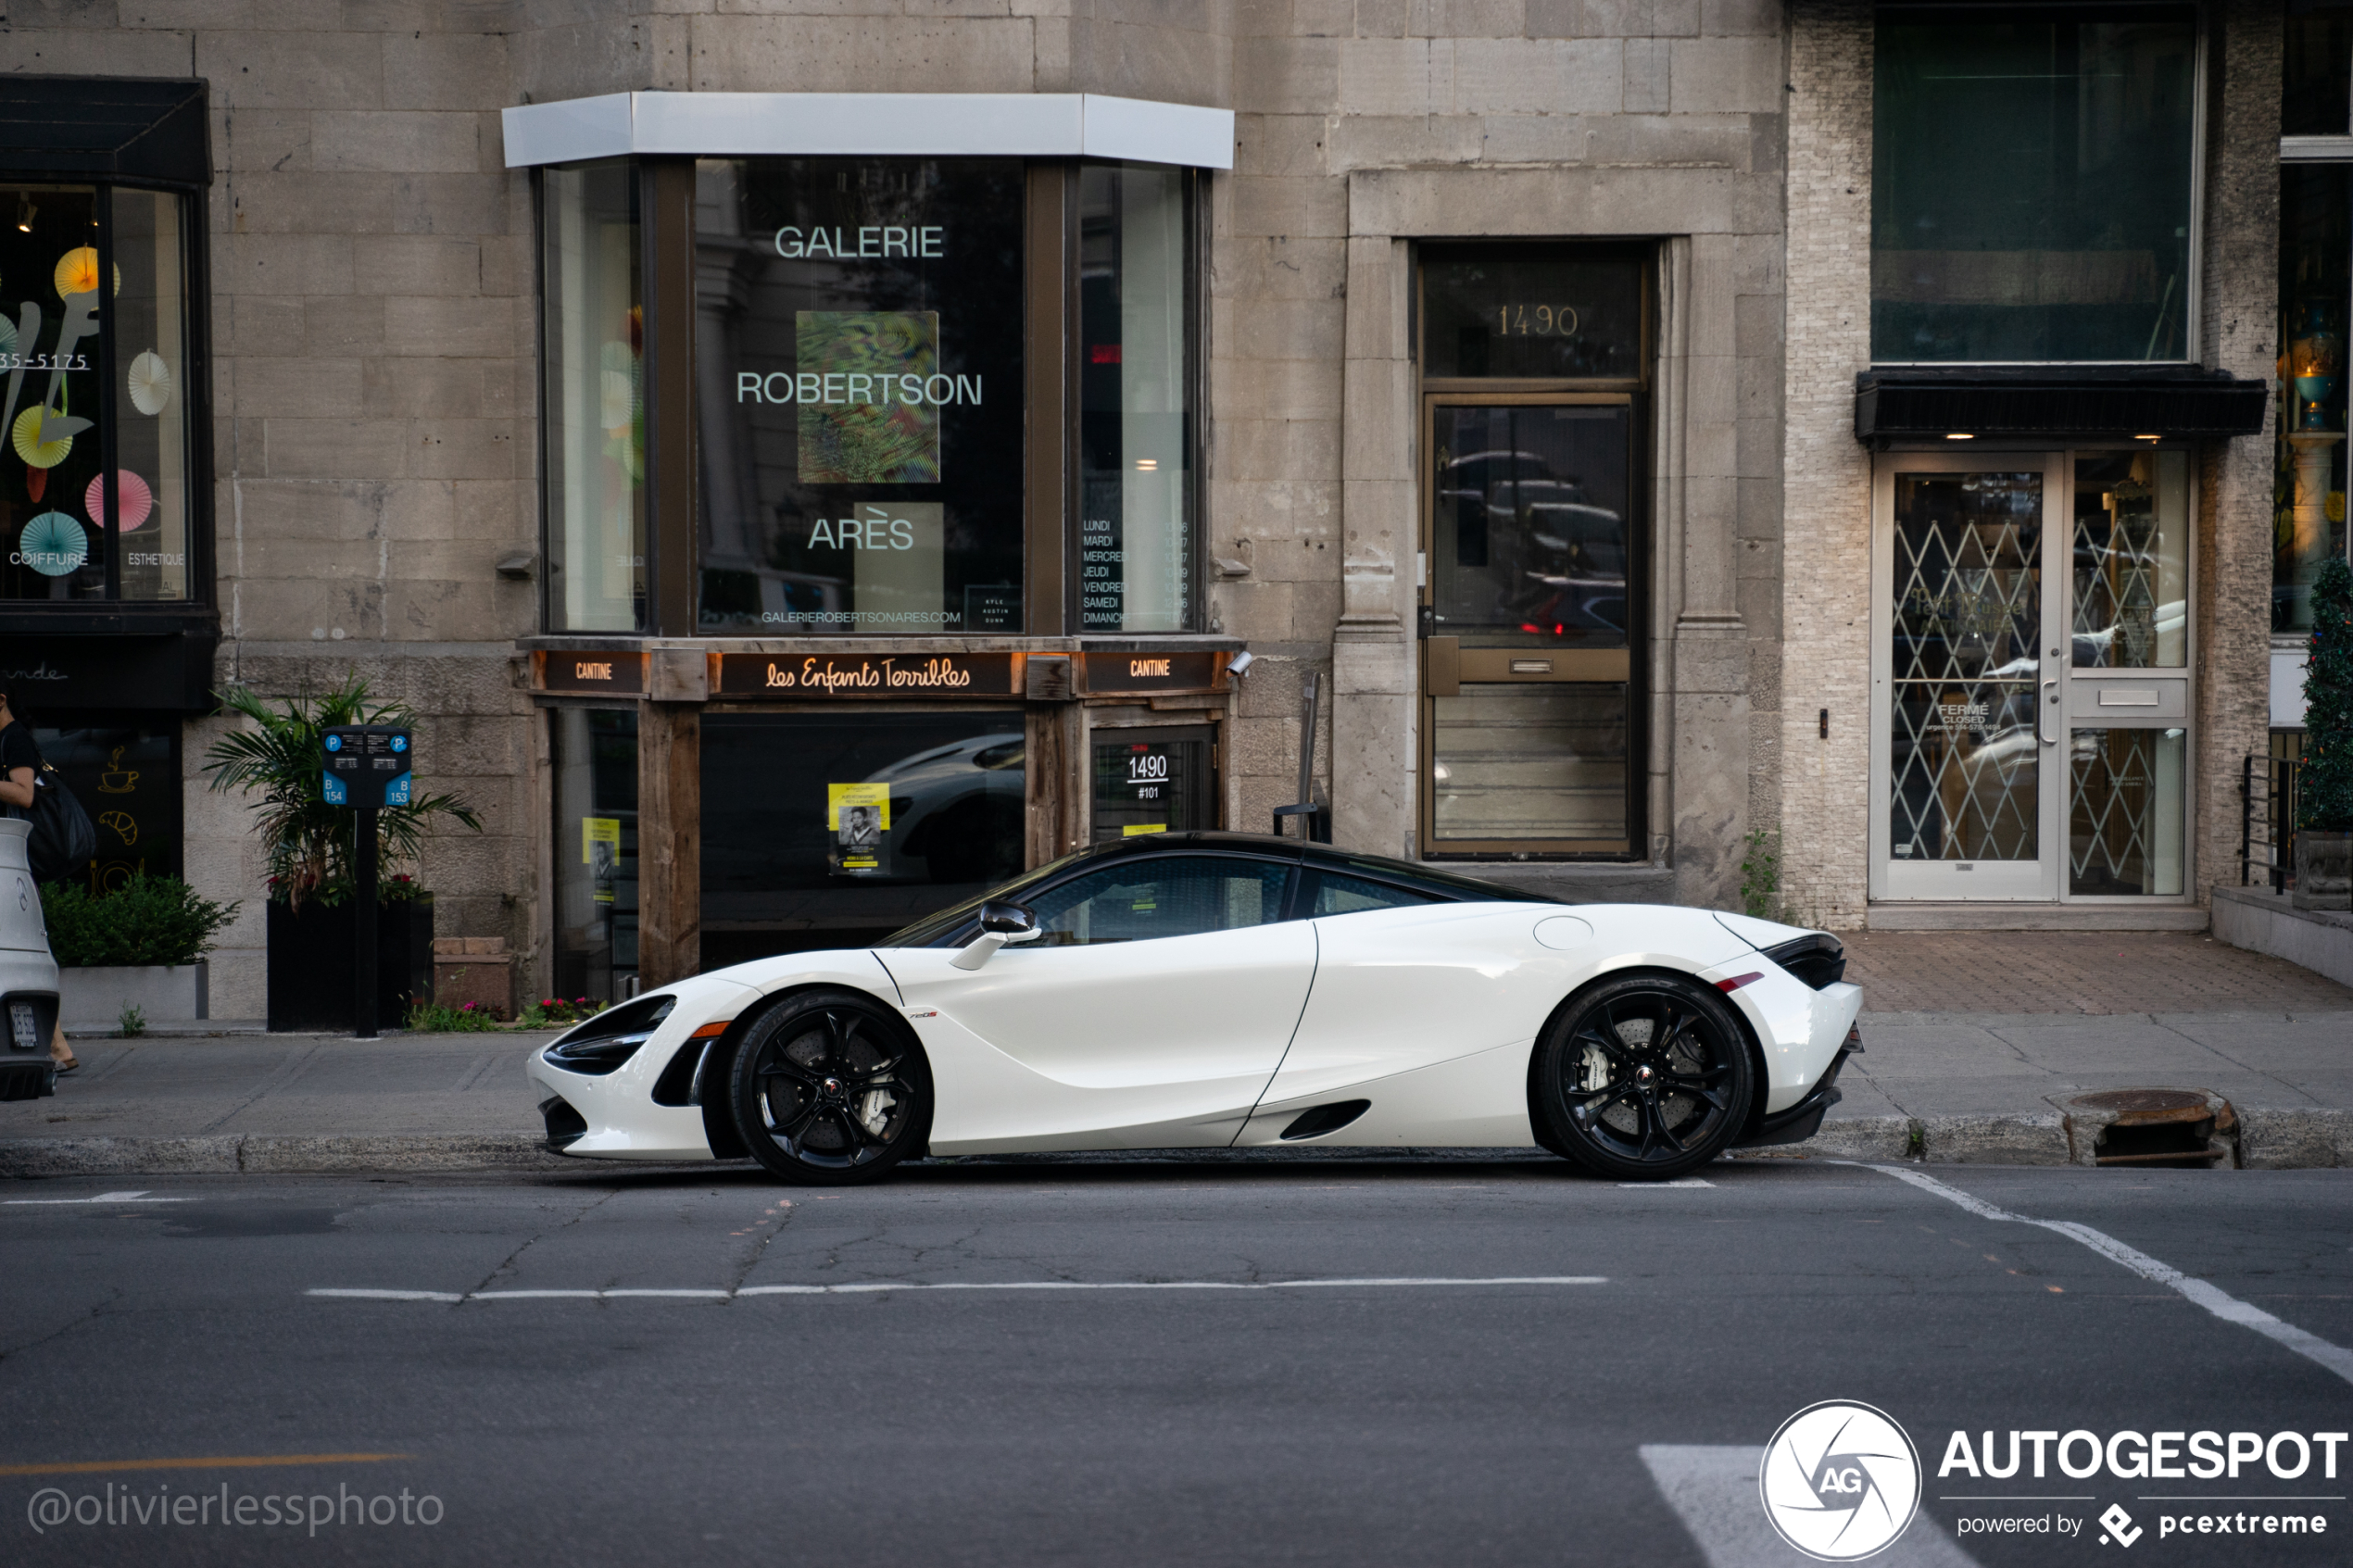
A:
(238, 1462)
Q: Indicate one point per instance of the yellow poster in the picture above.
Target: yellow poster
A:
(601, 851)
(859, 815)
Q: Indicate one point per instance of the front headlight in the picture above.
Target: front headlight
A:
(600, 1044)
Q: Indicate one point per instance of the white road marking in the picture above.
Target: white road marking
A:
(2229, 1308)
(102, 1197)
(1714, 1491)
(871, 1287)
(1685, 1182)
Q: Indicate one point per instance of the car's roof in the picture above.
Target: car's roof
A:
(1271, 847)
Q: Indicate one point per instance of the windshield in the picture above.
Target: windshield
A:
(931, 928)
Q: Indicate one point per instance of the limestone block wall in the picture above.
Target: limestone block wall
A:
(2239, 332)
(1826, 544)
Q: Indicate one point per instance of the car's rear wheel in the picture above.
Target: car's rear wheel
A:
(830, 1089)
(1643, 1078)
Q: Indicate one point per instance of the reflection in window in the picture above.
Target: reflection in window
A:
(1135, 426)
(2030, 187)
(1175, 895)
(1518, 763)
(127, 775)
(1964, 758)
(150, 409)
(594, 401)
(1337, 895)
(859, 405)
(2132, 560)
(2308, 487)
(1531, 533)
(593, 753)
(2125, 812)
(824, 829)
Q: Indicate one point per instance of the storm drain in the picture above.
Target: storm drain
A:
(2182, 1129)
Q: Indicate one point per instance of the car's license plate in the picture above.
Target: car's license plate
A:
(24, 1026)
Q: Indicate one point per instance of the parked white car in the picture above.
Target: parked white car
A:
(1210, 990)
(27, 974)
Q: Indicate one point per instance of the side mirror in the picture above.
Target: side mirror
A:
(1001, 922)
(1014, 923)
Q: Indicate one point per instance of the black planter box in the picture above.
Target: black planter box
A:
(311, 963)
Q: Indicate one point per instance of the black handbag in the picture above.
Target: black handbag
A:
(63, 839)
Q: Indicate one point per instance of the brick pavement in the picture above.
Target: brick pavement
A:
(2077, 972)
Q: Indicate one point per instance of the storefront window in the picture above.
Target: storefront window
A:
(2132, 560)
(125, 770)
(1516, 312)
(1154, 780)
(594, 402)
(2032, 186)
(592, 752)
(2316, 283)
(1135, 473)
(859, 405)
(91, 385)
(823, 830)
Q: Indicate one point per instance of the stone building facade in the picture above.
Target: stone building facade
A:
(377, 291)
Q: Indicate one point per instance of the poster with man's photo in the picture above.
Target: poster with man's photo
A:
(859, 815)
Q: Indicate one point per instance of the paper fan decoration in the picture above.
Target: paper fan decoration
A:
(37, 452)
(135, 504)
(77, 272)
(150, 381)
(53, 545)
(8, 335)
(621, 402)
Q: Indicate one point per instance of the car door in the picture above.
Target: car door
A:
(1150, 1015)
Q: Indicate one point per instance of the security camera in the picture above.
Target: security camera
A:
(1241, 663)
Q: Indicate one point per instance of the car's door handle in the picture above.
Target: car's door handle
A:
(2047, 739)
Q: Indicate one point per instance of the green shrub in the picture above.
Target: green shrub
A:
(2324, 792)
(440, 1018)
(551, 1010)
(150, 919)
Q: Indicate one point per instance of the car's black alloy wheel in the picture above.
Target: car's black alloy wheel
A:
(1643, 1078)
(830, 1088)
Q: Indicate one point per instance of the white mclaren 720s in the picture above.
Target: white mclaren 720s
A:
(1215, 990)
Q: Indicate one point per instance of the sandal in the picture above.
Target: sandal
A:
(71, 1064)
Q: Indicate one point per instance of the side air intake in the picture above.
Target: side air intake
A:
(1314, 1122)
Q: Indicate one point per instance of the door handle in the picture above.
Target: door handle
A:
(2045, 739)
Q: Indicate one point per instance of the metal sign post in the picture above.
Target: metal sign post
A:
(367, 767)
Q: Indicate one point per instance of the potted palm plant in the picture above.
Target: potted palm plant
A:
(311, 849)
(2325, 790)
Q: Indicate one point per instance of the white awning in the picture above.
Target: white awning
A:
(869, 124)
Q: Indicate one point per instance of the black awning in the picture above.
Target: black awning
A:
(2172, 401)
(131, 127)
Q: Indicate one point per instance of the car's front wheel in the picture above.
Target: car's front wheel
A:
(1643, 1078)
(830, 1088)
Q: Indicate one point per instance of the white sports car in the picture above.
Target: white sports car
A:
(1214, 990)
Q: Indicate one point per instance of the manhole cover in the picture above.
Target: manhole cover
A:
(2127, 1103)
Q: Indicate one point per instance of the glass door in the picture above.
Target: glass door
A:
(2030, 677)
(1527, 652)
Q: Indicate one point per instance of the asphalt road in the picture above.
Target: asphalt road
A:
(1610, 1413)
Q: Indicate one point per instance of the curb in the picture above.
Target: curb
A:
(2302, 1139)
(290, 1154)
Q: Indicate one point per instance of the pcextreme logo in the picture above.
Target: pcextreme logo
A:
(1840, 1481)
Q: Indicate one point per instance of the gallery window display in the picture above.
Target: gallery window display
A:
(96, 384)
(868, 442)
(2316, 281)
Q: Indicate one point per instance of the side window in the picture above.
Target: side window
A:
(1345, 894)
(1174, 895)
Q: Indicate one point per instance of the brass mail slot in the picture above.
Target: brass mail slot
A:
(1564, 664)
